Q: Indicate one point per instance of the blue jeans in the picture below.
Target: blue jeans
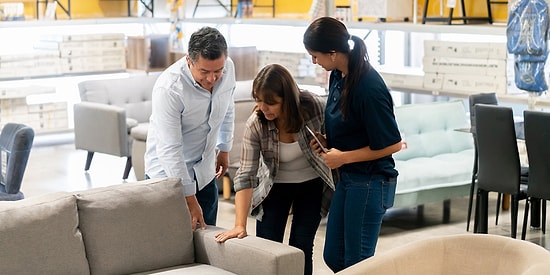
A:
(208, 200)
(356, 211)
(305, 200)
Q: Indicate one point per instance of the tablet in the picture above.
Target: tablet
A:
(325, 150)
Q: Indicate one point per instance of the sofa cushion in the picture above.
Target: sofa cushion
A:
(202, 269)
(430, 129)
(40, 235)
(439, 171)
(136, 227)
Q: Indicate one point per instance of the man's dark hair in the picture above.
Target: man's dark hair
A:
(208, 43)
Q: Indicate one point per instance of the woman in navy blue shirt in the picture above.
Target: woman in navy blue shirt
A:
(362, 135)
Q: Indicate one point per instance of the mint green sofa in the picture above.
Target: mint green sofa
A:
(437, 164)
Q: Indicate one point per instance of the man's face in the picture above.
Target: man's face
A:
(206, 72)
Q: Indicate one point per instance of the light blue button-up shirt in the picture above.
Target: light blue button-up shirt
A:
(189, 125)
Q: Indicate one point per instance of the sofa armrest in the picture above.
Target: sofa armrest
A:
(251, 255)
(101, 128)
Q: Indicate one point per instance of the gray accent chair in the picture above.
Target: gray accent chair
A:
(15, 147)
(108, 110)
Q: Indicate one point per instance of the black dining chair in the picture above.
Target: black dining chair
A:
(499, 168)
(537, 141)
(482, 98)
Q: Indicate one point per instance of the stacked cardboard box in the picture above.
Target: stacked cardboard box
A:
(42, 117)
(465, 67)
(148, 53)
(405, 77)
(87, 53)
(298, 64)
(28, 65)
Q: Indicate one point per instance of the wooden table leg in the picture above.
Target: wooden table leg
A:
(226, 188)
(506, 201)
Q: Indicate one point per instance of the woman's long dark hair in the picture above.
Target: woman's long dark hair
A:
(328, 35)
(275, 80)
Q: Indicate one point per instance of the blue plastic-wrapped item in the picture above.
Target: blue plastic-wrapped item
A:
(529, 73)
(527, 34)
(527, 28)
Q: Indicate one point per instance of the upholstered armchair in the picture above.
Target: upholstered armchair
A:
(15, 146)
(108, 110)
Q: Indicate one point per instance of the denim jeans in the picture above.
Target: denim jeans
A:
(305, 199)
(208, 200)
(355, 217)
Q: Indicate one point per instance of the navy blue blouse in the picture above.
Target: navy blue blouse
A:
(369, 121)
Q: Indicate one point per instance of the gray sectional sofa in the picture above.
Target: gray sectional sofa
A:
(132, 228)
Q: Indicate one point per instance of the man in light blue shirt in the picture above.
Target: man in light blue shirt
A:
(192, 122)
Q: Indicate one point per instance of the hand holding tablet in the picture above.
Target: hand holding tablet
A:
(323, 148)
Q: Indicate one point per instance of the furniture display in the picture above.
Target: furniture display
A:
(537, 141)
(465, 19)
(483, 98)
(462, 254)
(385, 9)
(499, 168)
(16, 141)
(148, 53)
(142, 227)
(108, 110)
(436, 166)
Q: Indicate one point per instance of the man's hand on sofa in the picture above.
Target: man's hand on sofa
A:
(236, 232)
(195, 211)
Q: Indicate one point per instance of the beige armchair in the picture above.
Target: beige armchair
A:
(461, 254)
(108, 110)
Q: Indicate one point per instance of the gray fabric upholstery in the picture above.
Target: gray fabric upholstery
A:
(15, 146)
(142, 227)
(40, 235)
(276, 259)
(109, 108)
(136, 227)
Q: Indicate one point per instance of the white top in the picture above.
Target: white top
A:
(293, 165)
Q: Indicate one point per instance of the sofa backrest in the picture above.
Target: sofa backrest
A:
(137, 227)
(40, 235)
(430, 129)
(119, 229)
(133, 94)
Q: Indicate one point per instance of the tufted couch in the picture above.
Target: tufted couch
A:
(132, 228)
(462, 254)
(437, 163)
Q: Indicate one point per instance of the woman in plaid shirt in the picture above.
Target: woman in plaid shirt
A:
(279, 169)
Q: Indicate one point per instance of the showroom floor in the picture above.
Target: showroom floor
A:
(55, 165)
